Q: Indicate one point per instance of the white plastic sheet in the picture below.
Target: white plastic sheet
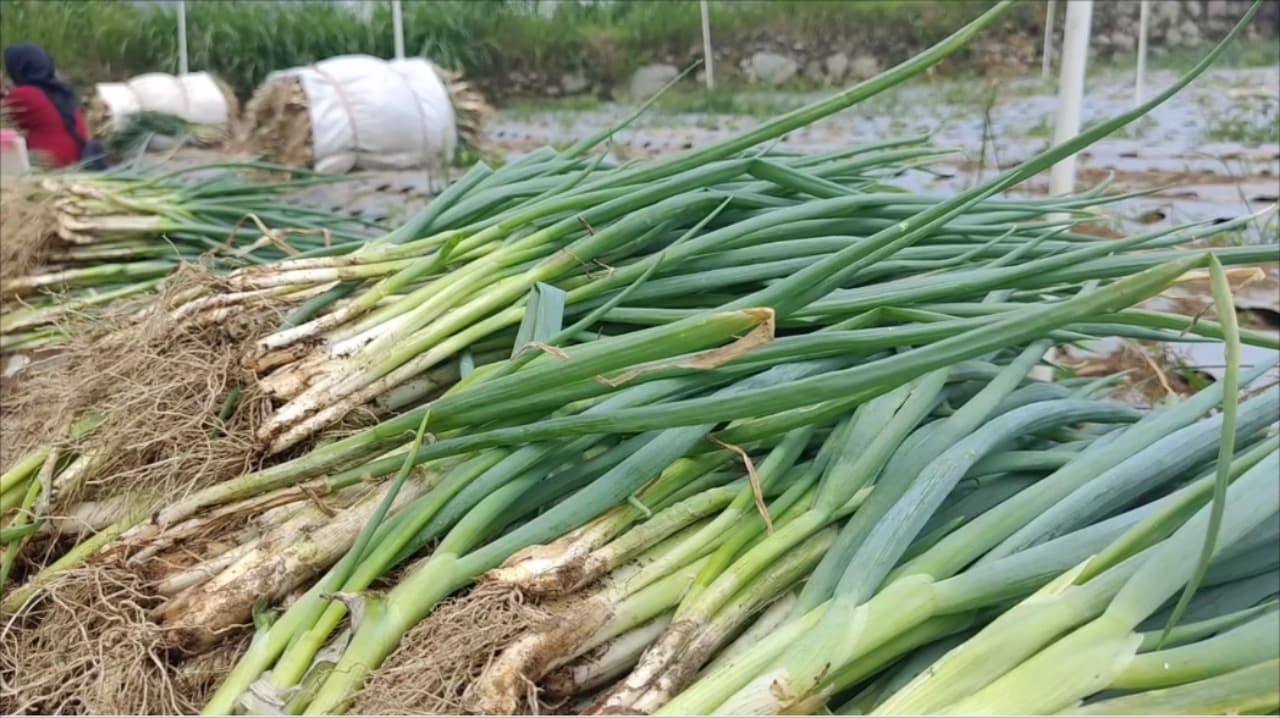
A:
(195, 97)
(369, 113)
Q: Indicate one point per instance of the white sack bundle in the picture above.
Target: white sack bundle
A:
(198, 98)
(362, 112)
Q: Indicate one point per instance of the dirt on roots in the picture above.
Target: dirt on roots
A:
(28, 219)
(84, 645)
(437, 661)
(158, 391)
(472, 112)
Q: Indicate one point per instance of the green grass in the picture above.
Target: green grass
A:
(1139, 129)
(1042, 128)
(721, 101)
(242, 41)
(526, 108)
(677, 101)
(1251, 120)
(97, 40)
(1260, 52)
(967, 91)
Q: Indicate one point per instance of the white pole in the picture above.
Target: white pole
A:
(1075, 51)
(1046, 55)
(397, 25)
(182, 37)
(1144, 18)
(706, 45)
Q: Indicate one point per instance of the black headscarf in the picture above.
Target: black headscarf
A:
(28, 64)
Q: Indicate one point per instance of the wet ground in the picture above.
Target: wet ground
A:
(1212, 146)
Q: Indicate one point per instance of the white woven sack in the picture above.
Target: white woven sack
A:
(120, 100)
(195, 97)
(368, 113)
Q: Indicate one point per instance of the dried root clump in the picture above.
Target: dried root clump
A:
(276, 122)
(84, 645)
(443, 655)
(472, 112)
(28, 220)
(157, 390)
(198, 677)
(98, 117)
(232, 102)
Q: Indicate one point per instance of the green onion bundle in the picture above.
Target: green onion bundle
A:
(73, 243)
(765, 428)
(82, 278)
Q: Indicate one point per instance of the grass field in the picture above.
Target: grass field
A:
(244, 40)
(95, 40)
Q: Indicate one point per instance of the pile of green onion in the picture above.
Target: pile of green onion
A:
(767, 429)
(106, 239)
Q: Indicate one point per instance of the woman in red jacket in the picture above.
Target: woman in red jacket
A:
(43, 107)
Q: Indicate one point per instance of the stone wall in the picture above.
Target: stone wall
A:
(1173, 23)
(774, 57)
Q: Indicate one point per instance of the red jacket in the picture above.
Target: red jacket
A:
(37, 118)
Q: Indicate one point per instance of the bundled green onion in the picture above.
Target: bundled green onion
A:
(73, 243)
(761, 431)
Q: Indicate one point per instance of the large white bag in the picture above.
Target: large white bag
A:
(368, 113)
(195, 97)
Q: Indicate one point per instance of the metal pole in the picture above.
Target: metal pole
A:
(397, 24)
(706, 45)
(1075, 51)
(1144, 18)
(182, 37)
(1046, 55)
